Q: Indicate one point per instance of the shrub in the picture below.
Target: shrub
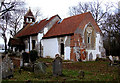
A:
(33, 55)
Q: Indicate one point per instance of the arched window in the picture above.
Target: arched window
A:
(89, 37)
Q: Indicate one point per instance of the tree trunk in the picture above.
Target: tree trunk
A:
(5, 42)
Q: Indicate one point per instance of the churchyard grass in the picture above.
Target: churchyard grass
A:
(46, 60)
(49, 60)
(94, 71)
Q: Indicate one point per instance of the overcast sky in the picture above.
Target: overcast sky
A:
(60, 7)
(53, 7)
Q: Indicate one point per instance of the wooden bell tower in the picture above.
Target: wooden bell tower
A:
(28, 18)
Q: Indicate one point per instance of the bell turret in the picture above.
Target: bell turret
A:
(28, 18)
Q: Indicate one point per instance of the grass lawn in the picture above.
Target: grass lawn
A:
(94, 71)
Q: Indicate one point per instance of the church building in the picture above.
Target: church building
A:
(29, 37)
(74, 38)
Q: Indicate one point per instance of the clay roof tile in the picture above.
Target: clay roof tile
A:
(33, 28)
(69, 25)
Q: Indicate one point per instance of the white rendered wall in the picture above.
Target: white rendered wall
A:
(67, 53)
(96, 51)
(27, 49)
(50, 47)
(26, 45)
(67, 50)
(30, 43)
(39, 37)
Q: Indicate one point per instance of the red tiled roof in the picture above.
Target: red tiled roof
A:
(70, 24)
(33, 28)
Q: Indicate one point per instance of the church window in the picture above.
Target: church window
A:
(89, 37)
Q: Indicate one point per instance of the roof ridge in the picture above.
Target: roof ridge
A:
(22, 30)
(51, 28)
(67, 26)
(76, 15)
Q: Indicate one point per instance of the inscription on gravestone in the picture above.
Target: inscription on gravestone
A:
(57, 66)
(7, 67)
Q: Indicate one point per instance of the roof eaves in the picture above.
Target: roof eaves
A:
(58, 36)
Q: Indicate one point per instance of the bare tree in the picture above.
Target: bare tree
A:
(4, 26)
(37, 14)
(111, 27)
(6, 10)
(17, 21)
(96, 8)
(15, 25)
(9, 5)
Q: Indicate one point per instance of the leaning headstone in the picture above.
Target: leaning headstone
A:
(111, 60)
(0, 68)
(7, 67)
(57, 67)
(39, 68)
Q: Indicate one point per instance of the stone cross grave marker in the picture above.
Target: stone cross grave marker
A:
(7, 67)
(57, 66)
(40, 68)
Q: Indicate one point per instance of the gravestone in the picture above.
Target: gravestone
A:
(90, 56)
(57, 66)
(119, 72)
(81, 74)
(7, 67)
(39, 68)
(111, 60)
(57, 55)
(0, 68)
